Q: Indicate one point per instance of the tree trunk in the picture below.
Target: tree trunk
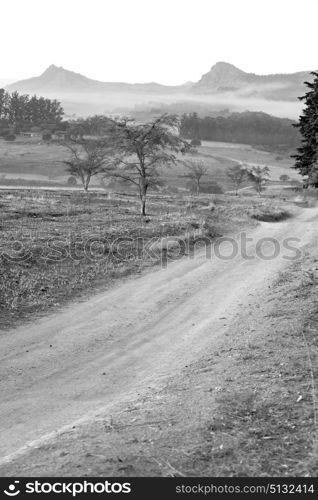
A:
(86, 183)
(143, 193)
(143, 206)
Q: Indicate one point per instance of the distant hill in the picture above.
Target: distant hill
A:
(57, 79)
(224, 77)
(224, 86)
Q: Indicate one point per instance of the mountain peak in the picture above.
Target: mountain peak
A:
(224, 65)
(54, 80)
(225, 69)
(222, 76)
(52, 69)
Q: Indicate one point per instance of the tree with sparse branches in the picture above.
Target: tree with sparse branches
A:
(196, 170)
(143, 149)
(259, 176)
(237, 175)
(306, 161)
(89, 152)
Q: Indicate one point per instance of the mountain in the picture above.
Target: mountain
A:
(57, 79)
(223, 87)
(54, 79)
(224, 77)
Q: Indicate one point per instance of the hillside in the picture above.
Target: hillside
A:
(57, 79)
(224, 77)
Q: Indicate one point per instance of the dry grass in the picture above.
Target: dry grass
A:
(31, 156)
(50, 277)
(265, 423)
(69, 220)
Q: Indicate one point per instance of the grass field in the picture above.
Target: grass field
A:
(242, 153)
(31, 156)
(56, 246)
(35, 161)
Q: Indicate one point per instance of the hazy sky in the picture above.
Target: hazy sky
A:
(168, 41)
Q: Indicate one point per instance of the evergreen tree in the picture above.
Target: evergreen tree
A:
(307, 158)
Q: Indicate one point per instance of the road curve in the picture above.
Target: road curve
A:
(83, 360)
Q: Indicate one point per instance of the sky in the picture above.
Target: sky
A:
(167, 41)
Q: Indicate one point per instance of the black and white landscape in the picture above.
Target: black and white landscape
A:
(158, 250)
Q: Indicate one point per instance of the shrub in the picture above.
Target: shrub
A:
(5, 131)
(46, 136)
(10, 137)
(71, 181)
(195, 142)
(284, 178)
(211, 188)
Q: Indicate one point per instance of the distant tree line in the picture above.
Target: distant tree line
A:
(22, 112)
(254, 128)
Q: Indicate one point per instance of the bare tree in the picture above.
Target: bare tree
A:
(237, 174)
(89, 151)
(144, 148)
(196, 170)
(259, 176)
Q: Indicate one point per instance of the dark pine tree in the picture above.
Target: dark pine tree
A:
(306, 161)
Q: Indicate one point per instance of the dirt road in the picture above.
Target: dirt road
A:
(81, 362)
